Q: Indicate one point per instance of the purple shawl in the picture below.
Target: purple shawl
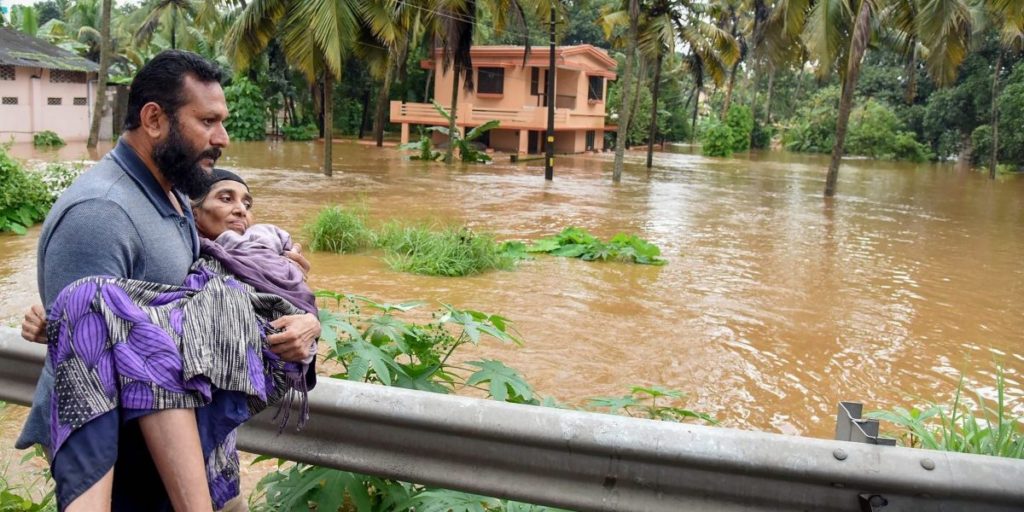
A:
(256, 257)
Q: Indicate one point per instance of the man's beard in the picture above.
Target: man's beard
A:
(179, 162)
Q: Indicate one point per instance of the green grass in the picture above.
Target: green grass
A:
(47, 138)
(445, 251)
(341, 230)
(983, 428)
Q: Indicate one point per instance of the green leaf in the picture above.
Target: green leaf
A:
(614, 404)
(366, 356)
(505, 382)
(657, 391)
(443, 500)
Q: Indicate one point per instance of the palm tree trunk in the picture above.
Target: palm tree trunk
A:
(654, 110)
(728, 89)
(328, 123)
(768, 100)
(426, 88)
(693, 123)
(993, 158)
(101, 82)
(380, 114)
(858, 45)
(627, 85)
(174, 30)
(911, 93)
(448, 155)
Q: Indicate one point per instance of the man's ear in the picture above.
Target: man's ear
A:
(153, 120)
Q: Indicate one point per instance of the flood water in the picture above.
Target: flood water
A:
(774, 306)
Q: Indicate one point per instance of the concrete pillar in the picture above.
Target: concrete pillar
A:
(524, 141)
(599, 140)
(405, 133)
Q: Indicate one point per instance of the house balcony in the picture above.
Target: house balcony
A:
(524, 118)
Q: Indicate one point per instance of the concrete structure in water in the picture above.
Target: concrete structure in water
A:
(514, 93)
(44, 87)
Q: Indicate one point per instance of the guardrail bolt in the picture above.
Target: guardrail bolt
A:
(928, 464)
(839, 454)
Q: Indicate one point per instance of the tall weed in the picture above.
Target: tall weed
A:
(446, 251)
(341, 230)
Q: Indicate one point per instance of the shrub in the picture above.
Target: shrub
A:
(448, 251)
(248, 108)
(24, 199)
(906, 147)
(575, 242)
(981, 141)
(57, 177)
(301, 132)
(1011, 129)
(813, 129)
(340, 230)
(876, 131)
(761, 137)
(47, 139)
(717, 140)
(741, 123)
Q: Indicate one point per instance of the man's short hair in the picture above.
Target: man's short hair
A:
(161, 81)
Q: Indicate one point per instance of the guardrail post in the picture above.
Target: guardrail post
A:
(851, 427)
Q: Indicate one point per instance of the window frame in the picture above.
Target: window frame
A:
(490, 72)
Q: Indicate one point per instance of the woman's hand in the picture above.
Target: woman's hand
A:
(33, 327)
(295, 254)
(295, 341)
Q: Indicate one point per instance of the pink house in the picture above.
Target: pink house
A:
(44, 87)
(514, 93)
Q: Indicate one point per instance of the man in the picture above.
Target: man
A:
(128, 217)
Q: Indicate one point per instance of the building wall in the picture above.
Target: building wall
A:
(505, 140)
(34, 88)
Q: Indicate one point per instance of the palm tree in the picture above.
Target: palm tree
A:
(314, 37)
(25, 18)
(161, 13)
(1006, 18)
(394, 25)
(632, 36)
(101, 88)
(837, 32)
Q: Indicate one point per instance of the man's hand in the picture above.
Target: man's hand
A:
(295, 254)
(295, 341)
(33, 327)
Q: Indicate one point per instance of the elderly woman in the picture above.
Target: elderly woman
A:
(132, 348)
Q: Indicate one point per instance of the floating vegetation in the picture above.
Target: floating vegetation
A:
(341, 230)
(445, 251)
(575, 242)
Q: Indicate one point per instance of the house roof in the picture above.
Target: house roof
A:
(18, 49)
(512, 56)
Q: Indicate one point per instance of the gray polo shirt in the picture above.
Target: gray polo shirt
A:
(115, 220)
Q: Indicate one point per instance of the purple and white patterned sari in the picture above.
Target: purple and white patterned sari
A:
(134, 347)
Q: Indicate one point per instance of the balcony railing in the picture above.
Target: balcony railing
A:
(525, 118)
(565, 101)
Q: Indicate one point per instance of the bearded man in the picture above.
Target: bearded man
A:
(128, 217)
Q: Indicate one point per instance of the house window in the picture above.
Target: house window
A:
(53, 101)
(62, 76)
(538, 82)
(6, 72)
(595, 91)
(491, 81)
(79, 102)
(10, 100)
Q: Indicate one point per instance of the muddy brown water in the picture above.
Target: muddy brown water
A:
(774, 306)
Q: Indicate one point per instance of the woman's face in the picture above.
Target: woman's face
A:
(225, 208)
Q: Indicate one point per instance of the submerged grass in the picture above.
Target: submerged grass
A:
(445, 251)
(338, 229)
(981, 428)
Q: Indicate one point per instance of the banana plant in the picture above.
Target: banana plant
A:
(464, 143)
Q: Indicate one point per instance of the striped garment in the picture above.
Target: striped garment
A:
(136, 347)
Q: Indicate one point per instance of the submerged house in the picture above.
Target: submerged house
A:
(44, 87)
(515, 94)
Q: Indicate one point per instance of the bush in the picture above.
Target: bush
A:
(57, 177)
(761, 137)
(981, 142)
(877, 132)
(1011, 128)
(575, 242)
(24, 199)
(449, 251)
(301, 132)
(813, 129)
(47, 139)
(340, 230)
(248, 108)
(906, 147)
(717, 140)
(740, 121)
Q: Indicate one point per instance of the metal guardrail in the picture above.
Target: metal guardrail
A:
(589, 461)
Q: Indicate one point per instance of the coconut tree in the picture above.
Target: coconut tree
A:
(101, 88)
(314, 36)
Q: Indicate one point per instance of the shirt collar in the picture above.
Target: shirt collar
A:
(129, 160)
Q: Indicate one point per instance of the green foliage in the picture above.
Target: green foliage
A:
(248, 108)
(877, 132)
(424, 150)
(575, 242)
(24, 198)
(21, 499)
(716, 140)
(761, 137)
(642, 401)
(467, 152)
(740, 121)
(341, 230)
(1011, 129)
(57, 177)
(47, 138)
(446, 251)
(962, 427)
(301, 132)
(813, 129)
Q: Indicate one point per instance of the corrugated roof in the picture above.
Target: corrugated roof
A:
(18, 49)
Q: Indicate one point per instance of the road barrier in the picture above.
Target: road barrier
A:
(589, 461)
